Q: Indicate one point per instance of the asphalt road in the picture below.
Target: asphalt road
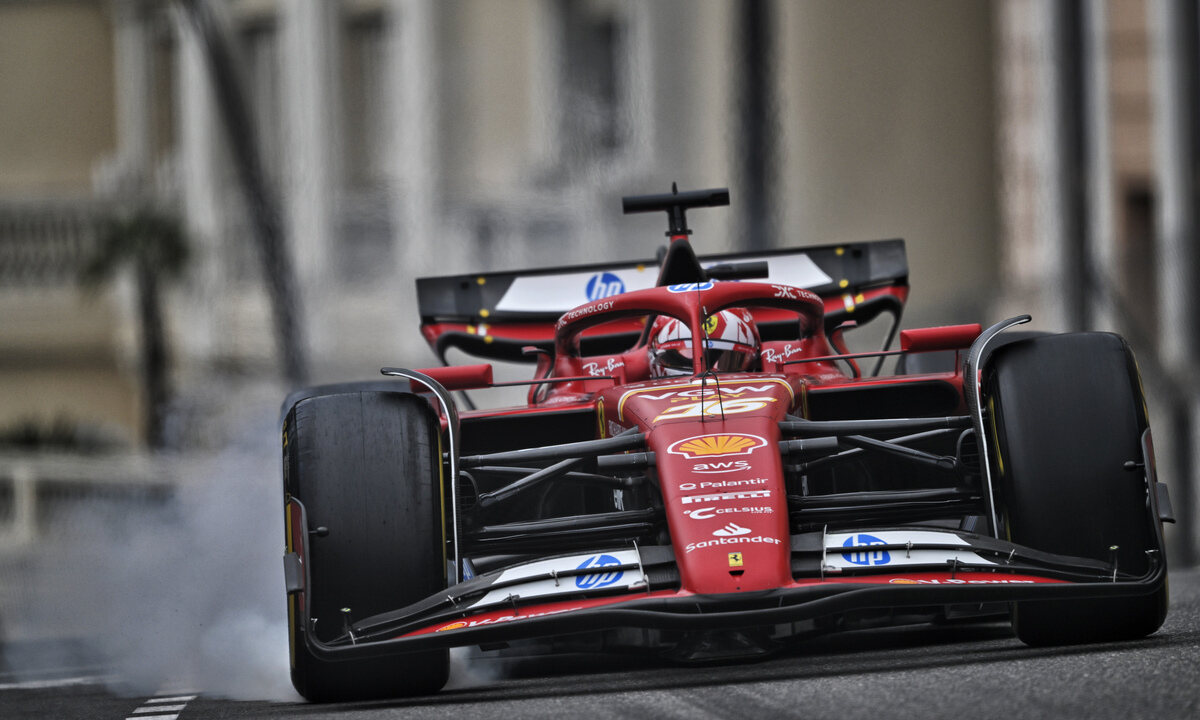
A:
(921, 672)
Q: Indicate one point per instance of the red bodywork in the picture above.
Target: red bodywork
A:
(715, 437)
(728, 549)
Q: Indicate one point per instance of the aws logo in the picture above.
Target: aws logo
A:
(721, 466)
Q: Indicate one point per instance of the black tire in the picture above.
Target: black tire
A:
(366, 466)
(1067, 413)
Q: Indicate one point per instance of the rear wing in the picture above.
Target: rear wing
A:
(495, 315)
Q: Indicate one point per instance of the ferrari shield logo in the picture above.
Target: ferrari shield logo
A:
(735, 559)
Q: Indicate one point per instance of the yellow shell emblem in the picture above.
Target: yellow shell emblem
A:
(715, 445)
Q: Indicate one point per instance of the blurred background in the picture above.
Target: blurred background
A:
(206, 203)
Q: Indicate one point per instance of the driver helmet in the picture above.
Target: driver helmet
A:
(731, 344)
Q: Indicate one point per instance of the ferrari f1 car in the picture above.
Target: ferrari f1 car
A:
(704, 468)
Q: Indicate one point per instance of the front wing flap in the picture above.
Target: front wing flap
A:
(637, 588)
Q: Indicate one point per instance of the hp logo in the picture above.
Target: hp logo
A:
(590, 581)
(690, 287)
(865, 557)
(604, 285)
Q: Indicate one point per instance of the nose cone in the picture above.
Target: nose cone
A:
(725, 503)
(721, 476)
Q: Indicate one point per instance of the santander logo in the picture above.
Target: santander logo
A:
(731, 530)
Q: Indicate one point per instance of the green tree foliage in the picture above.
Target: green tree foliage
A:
(153, 245)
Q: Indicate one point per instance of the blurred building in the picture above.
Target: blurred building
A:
(409, 137)
(399, 138)
(1098, 142)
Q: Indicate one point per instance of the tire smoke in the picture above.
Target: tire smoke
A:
(185, 591)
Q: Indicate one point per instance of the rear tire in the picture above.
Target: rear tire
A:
(1067, 412)
(366, 466)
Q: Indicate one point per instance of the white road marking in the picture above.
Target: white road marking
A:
(53, 683)
(166, 705)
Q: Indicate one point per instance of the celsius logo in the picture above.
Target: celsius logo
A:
(604, 285)
(731, 530)
(709, 512)
(865, 557)
(594, 580)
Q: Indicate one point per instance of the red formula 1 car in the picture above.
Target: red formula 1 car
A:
(703, 468)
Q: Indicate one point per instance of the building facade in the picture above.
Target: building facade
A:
(399, 138)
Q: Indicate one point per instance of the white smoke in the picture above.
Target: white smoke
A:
(187, 592)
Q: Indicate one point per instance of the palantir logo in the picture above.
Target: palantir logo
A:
(604, 285)
(865, 557)
(593, 580)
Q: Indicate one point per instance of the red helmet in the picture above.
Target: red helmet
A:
(731, 344)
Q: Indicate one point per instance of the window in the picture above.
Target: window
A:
(260, 50)
(363, 56)
(365, 243)
(592, 35)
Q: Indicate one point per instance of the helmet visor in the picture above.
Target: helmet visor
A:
(721, 359)
(674, 362)
(728, 360)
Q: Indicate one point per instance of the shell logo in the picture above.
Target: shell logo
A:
(903, 581)
(453, 626)
(702, 446)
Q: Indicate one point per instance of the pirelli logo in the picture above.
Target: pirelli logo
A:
(747, 495)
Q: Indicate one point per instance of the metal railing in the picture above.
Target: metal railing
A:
(43, 243)
(36, 487)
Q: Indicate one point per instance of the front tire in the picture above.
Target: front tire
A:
(366, 466)
(1066, 414)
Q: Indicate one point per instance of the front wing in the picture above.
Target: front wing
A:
(871, 569)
